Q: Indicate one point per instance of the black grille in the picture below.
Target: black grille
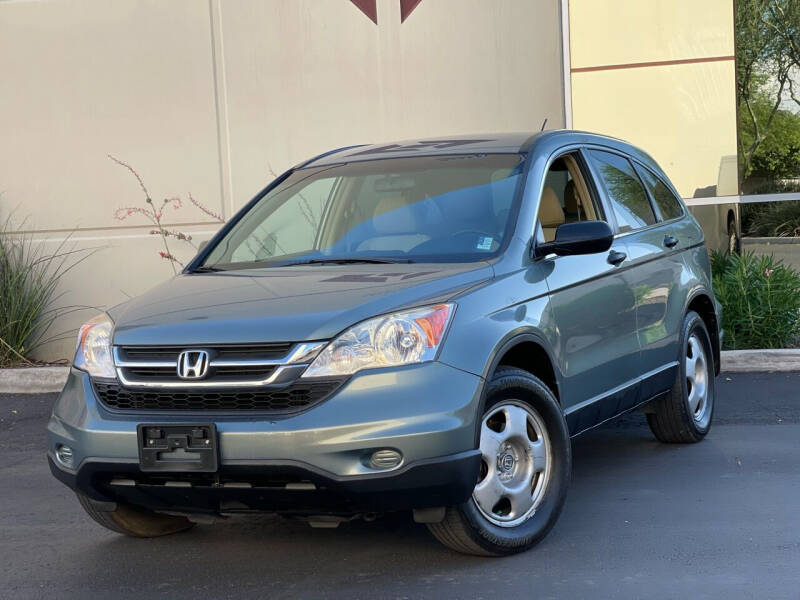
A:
(293, 398)
(216, 373)
(230, 352)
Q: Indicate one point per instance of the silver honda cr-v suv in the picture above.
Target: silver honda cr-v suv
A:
(412, 326)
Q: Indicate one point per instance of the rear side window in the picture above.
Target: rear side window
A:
(624, 190)
(667, 203)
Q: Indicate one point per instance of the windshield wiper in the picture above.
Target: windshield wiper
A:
(345, 261)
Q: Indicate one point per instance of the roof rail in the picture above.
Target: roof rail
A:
(328, 153)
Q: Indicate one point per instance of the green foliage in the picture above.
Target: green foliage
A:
(777, 156)
(786, 186)
(772, 219)
(29, 277)
(760, 299)
(767, 63)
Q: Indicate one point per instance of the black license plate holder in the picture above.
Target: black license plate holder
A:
(190, 447)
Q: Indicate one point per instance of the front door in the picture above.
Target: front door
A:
(597, 349)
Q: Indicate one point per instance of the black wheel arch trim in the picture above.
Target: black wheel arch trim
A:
(508, 342)
(716, 343)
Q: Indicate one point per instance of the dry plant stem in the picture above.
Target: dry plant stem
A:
(156, 215)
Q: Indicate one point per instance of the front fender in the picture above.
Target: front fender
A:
(511, 309)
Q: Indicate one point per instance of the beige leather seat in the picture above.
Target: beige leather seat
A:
(551, 215)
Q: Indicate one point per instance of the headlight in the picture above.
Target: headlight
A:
(401, 338)
(93, 353)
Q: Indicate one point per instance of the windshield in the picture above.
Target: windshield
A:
(422, 209)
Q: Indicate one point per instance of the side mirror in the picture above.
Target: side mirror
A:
(202, 245)
(583, 237)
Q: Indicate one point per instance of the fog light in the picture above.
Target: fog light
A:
(385, 459)
(64, 455)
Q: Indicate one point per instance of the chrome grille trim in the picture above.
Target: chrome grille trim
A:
(304, 352)
(283, 374)
(286, 369)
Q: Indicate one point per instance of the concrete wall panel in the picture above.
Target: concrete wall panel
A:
(211, 96)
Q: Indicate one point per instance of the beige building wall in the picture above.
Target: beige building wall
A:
(210, 98)
(660, 74)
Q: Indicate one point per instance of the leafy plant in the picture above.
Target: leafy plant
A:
(777, 155)
(767, 89)
(773, 219)
(763, 72)
(29, 279)
(760, 299)
(155, 214)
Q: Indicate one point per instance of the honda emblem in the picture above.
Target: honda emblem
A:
(193, 364)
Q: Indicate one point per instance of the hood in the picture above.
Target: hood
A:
(284, 304)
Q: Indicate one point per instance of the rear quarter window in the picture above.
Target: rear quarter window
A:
(668, 205)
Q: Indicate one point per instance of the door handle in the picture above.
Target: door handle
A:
(615, 257)
(670, 241)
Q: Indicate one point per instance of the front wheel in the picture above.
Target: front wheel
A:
(525, 471)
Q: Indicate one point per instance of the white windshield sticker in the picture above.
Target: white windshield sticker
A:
(484, 243)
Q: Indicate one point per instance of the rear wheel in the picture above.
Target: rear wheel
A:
(733, 238)
(525, 471)
(684, 414)
(133, 521)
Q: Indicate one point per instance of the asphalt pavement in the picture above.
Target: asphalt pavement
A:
(718, 519)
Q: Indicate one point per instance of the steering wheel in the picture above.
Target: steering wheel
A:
(473, 231)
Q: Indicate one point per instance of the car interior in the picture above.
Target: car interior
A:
(565, 197)
(424, 212)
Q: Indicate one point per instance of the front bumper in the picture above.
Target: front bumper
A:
(279, 486)
(313, 462)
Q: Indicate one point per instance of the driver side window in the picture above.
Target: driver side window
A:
(565, 197)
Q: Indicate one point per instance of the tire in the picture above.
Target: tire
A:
(679, 417)
(734, 244)
(134, 522)
(472, 527)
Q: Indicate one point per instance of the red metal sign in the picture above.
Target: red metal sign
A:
(370, 8)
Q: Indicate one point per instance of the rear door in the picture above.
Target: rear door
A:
(648, 217)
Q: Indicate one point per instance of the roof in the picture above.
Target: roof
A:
(483, 143)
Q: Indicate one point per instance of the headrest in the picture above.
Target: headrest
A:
(393, 215)
(464, 205)
(550, 212)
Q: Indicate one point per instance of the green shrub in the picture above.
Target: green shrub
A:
(29, 277)
(760, 299)
(772, 219)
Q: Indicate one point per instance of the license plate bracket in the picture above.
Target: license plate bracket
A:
(190, 447)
